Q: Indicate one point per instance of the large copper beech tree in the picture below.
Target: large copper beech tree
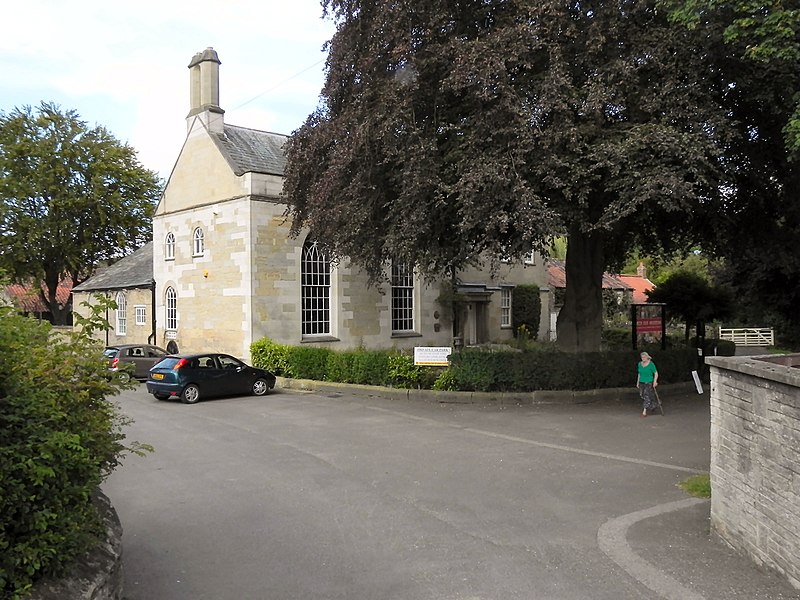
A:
(451, 130)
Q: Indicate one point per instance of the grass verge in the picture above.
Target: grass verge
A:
(697, 485)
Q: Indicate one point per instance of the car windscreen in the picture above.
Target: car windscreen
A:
(167, 363)
(110, 352)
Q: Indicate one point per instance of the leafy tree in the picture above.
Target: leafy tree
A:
(449, 131)
(70, 197)
(756, 52)
(691, 298)
(764, 32)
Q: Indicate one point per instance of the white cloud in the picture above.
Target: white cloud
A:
(124, 65)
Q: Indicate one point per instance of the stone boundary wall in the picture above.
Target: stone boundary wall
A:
(755, 458)
(98, 575)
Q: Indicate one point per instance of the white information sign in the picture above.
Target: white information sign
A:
(431, 356)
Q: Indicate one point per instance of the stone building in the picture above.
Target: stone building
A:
(227, 273)
(129, 282)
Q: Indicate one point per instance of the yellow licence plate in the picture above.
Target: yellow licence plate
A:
(158, 376)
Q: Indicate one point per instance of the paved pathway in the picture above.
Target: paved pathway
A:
(338, 496)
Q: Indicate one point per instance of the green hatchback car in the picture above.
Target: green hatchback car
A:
(193, 377)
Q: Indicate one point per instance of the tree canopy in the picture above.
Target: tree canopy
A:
(454, 130)
(71, 196)
(691, 298)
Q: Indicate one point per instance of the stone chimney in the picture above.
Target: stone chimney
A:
(204, 90)
(641, 270)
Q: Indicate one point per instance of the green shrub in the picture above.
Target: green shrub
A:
(266, 354)
(527, 308)
(60, 439)
(308, 362)
(473, 370)
(403, 373)
(370, 367)
(445, 381)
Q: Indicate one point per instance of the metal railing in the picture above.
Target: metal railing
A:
(749, 336)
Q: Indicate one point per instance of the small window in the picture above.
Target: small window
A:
(531, 258)
(169, 247)
(122, 314)
(171, 308)
(141, 315)
(505, 307)
(198, 243)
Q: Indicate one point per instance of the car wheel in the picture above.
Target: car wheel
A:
(190, 394)
(260, 387)
(123, 376)
(161, 396)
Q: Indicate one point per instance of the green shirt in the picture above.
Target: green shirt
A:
(647, 374)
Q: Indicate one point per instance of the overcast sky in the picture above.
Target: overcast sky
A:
(123, 65)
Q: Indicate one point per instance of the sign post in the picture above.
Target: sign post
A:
(648, 323)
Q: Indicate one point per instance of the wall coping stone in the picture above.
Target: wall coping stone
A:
(779, 368)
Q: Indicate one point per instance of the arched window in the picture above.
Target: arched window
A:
(169, 247)
(316, 291)
(122, 314)
(402, 297)
(171, 308)
(198, 243)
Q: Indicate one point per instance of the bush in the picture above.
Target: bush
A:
(527, 308)
(273, 357)
(60, 439)
(529, 371)
(540, 368)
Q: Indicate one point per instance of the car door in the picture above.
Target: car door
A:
(206, 374)
(135, 355)
(236, 376)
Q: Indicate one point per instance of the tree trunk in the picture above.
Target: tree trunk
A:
(580, 321)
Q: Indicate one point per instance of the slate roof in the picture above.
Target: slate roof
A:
(132, 271)
(251, 150)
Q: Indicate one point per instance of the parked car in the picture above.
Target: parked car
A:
(195, 376)
(133, 360)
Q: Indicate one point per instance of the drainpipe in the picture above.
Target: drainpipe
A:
(151, 339)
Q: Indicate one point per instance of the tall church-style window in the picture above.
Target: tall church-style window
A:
(198, 243)
(122, 314)
(171, 308)
(402, 297)
(169, 246)
(316, 291)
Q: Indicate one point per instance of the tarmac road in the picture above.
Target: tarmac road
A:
(342, 495)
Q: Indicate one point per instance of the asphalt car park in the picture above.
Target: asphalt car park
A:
(301, 495)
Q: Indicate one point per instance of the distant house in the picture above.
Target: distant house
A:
(629, 288)
(28, 301)
(224, 271)
(129, 282)
(638, 283)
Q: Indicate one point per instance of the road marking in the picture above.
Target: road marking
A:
(612, 539)
(560, 447)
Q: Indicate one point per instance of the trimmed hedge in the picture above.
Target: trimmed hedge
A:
(472, 370)
(527, 308)
(552, 370)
